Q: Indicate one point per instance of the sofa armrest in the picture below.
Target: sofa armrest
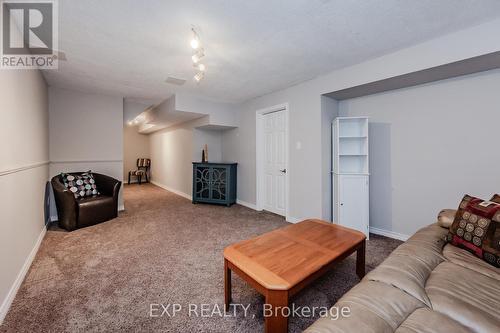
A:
(446, 217)
(107, 185)
(65, 204)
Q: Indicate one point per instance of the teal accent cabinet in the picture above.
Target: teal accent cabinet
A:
(214, 183)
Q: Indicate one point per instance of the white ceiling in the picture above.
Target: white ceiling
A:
(128, 48)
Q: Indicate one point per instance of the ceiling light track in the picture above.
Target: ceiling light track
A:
(197, 56)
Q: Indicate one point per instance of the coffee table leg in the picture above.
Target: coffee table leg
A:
(276, 322)
(360, 260)
(227, 285)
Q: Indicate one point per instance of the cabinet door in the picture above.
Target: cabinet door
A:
(354, 202)
(218, 188)
(202, 182)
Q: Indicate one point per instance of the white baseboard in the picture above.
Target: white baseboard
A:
(289, 219)
(165, 187)
(246, 204)
(121, 208)
(7, 302)
(388, 233)
(125, 182)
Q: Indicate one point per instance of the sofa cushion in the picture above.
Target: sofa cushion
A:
(374, 307)
(409, 266)
(477, 228)
(466, 259)
(361, 320)
(428, 321)
(470, 298)
(81, 185)
(93, 210)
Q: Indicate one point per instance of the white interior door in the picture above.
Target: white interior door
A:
(274, 162)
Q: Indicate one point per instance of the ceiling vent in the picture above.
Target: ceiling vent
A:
(175, 80)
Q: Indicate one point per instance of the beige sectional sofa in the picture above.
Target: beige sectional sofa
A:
(425, 285)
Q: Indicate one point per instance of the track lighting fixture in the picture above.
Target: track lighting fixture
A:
(199, 76)
(198, 54)
(195, 40)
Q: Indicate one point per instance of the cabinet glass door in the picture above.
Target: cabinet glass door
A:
(202, 179)
(219, 183)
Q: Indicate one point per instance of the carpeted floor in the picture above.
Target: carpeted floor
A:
(162, 250)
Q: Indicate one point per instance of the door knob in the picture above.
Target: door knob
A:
(284, 170)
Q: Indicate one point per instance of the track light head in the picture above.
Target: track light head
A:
(195, 40)
(198, 56)
(199, 76)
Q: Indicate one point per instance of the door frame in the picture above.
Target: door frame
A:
(259, 155)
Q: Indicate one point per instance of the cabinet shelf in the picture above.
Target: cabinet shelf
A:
(350, 145)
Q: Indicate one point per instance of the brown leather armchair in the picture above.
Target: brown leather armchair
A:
(78, 213)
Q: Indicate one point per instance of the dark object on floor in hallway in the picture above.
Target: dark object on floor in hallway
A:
(143, 166)
(78, 213)
(214, 183)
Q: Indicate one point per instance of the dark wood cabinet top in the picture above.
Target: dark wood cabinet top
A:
(216, 163)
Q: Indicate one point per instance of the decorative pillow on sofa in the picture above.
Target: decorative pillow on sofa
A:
(80, 185)
(491, 245)
(496, 198)
(477, 228)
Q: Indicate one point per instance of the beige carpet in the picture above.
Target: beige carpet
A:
(162, 250)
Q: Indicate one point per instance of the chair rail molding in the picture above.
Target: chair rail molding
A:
(23, 168)
(86, 161)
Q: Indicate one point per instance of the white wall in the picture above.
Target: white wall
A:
(220, 114)
(213, 140)
(86, 133)
(307, 169)
(174, 149)
(329, 111)
(132, 109)
(24, 155)
(430, 145)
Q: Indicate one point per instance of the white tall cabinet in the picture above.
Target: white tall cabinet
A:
(350, 173)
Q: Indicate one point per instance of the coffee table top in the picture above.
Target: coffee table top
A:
(282, 258)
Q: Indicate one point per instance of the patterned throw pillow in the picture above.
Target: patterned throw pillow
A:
(496, 198)
(477, 228)
(491, 245)
(80, 185)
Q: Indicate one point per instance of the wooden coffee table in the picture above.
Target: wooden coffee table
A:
(282, 262)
